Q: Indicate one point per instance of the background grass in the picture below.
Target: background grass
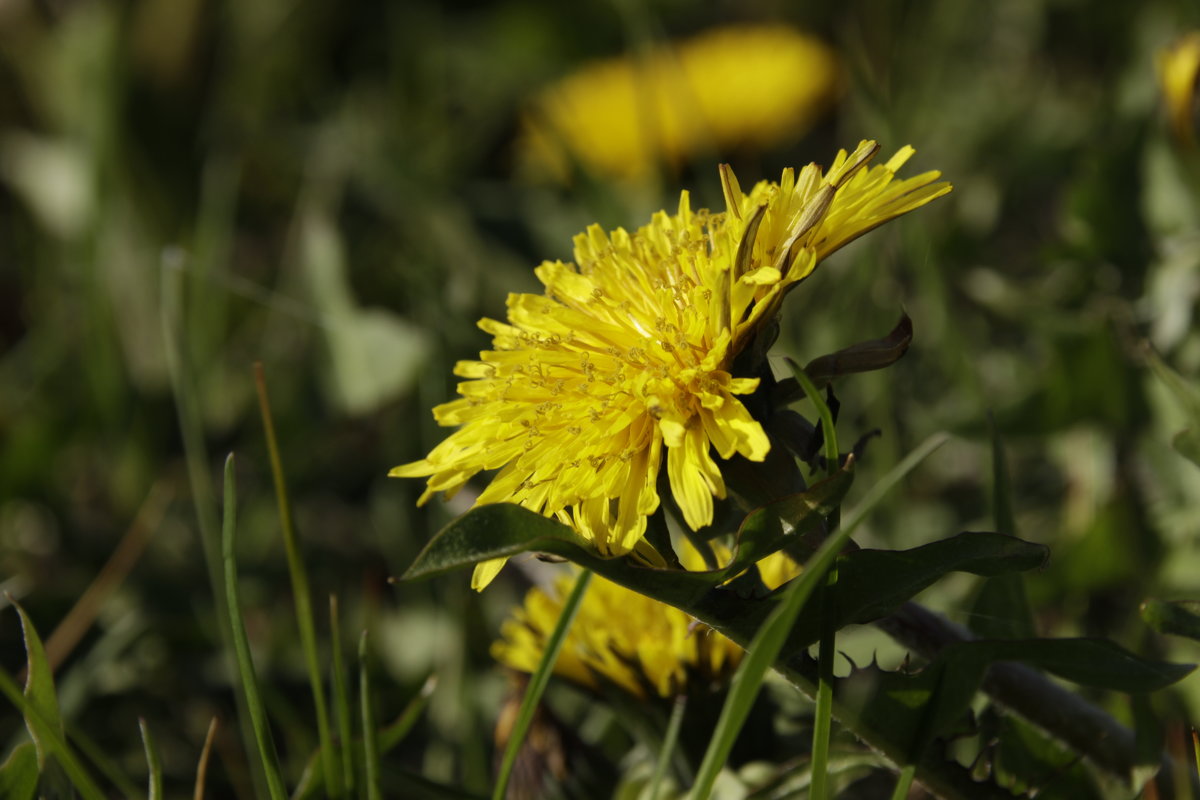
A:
(334, 183)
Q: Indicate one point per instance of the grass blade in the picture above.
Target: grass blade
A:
(247, 679)
(153, 762)
(191, 431)
(769, 640)
(341, 696)
(827, 648)
(539, 680)
(668, 746)
(904, 782)
(370, 737)
(202, 766)
(300, 593)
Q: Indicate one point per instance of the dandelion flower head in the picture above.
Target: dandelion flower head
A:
(1178, 74)
(642, 646)
(739, 86)
(623, 365)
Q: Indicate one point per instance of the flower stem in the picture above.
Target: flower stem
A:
(539, 680)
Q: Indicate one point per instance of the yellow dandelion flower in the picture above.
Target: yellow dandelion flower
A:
(624, 362)
(627, 639)
(741, 86)
(1178, 72)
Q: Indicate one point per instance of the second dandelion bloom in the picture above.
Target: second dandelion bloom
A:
(625, 364)
(743, 86)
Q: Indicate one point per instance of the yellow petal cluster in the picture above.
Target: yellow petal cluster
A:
(746, 86)
(1178, 73)
(621, 637)
(623, 363)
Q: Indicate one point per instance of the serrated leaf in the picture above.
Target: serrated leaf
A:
(42, 711)
(874, 583)
(1097, 663)
(1001, 609)
(1179, 618)
(1040, 764)
(917, 707)
(502, 530)
(19, 774)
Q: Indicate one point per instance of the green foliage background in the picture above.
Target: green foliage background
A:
(334, 185)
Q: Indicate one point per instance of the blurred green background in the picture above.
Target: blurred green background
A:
(332, 189)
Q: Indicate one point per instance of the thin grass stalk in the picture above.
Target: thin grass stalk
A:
(769, 640)
(153, 762)
(827, 646)
(370, 731)
(191, 431)
(904, 782)
(202, 765)
(393, 734)
(341, 696)
(539, 680)
(300, 592)
(1196, 748)
(247, 679)
(674, 724)
(76, 772)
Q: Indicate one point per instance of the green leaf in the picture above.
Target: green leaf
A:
(1097, 663)
(19, 774)
(920, 706)
(1001, 609)
(1035, 762)
(501, 530)
(1181, 618)
(1186, 442)
(864, 356)
(498, 530)
(874, 583)
(777, 623)
(39, 691)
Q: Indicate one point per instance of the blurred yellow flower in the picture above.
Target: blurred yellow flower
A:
(624, 362)
(619, 636)
(743, 86)
(1178, 71)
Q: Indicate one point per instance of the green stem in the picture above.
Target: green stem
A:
(539, 680)
(300, 592)
(904, 782)
(153, 762)
(191, 431)
(341, 697)
(241, 643)
(668, 745)
(827, 648)
(370, 729)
